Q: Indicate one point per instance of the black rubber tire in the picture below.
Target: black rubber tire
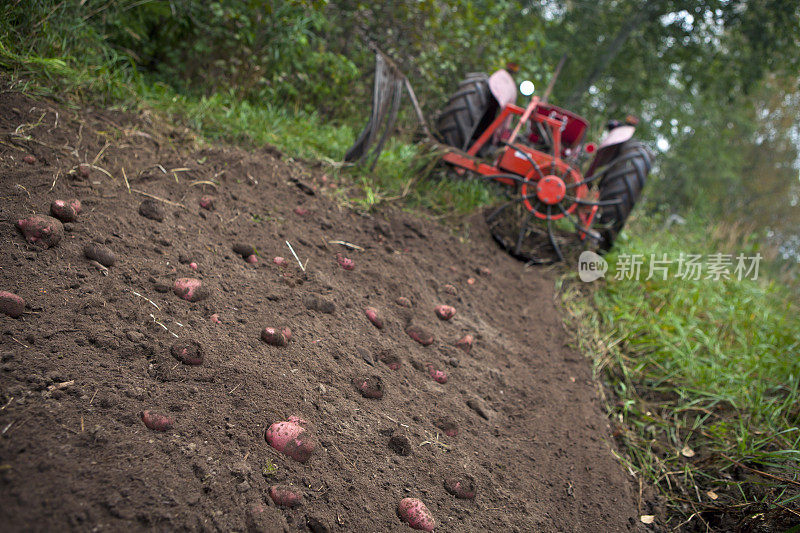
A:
(461, 117)
(624, 179)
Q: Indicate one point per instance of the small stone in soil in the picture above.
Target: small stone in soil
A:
(99, 253)
(152, 209)
(400, 445)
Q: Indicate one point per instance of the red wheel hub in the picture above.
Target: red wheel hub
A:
(551, 189)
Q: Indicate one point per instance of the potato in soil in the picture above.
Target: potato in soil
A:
(291, 438)
(41, 230)
(416, 514)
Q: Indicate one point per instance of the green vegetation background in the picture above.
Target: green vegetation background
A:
(702, 375)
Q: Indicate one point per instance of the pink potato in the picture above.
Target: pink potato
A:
(287, 333)
(402, 301)
(374, 317)
(470, 281)
(292, 439)
(252, 259)
(76, 205)
(437, 375)
(369, 387)
(420, 334)
(445, 312)
(461, 486)
(156, 421)
(280, 261)
(465, 343)
(188, 352)
(391, 360)
(414, 512)
(448, 426)
(63, 211)
(190, 289)
(11, 304)
(450, 289)
(41, 230)
(300, 211)
(344, 262)
(193, 265)
(284, 496)
(215, 318)
(484, 271)
(274, 337)
(206, 202)
(29, 159)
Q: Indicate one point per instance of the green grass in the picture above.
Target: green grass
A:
(710, 367)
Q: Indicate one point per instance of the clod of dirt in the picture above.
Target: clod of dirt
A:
(99, 253)
(369, 387)
(284, 496)
(420, 334)
(391, 360)
(450, 289)
(300, 211)
(63, 211)
(206, 202)
(478, 405)
(84, 170)
(414, 512)
(465, 343)
(437, 375)
(445, 312)
(188, 352)
(400, 445)
(292, 439)
(11, 304)
(190, 289)
(317, 303)
(374, 317)
(41, 230)
(402, 301)
(344, 262)
(484, 271)
(316, 525)
(29, 159)
(461, 486)
(156, 421)
(152, 209)
(273, 337)
(280, 261)
(448, 426)
(245, 250)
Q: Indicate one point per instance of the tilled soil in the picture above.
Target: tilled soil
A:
(93, 350)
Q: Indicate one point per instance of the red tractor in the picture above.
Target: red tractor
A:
(537, 153)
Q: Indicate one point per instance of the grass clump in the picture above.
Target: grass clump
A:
(703, 375)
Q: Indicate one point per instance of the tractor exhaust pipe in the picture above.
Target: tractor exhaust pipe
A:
(550, 85)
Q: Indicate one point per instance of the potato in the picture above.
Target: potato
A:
(63, 211)
(374, 317)
(284, 496)
(300, 211)
(484, 271)
(99, 253)
(461, 486)
(287, 334)
(465, 343)
(445, 312)
(190, 289)
(402, 301)
(344, 262)
(420, 334)
(391, 360)
(193, 265)
(29, 159)
(437, 375)
(369, 387)
(252, 259)
(280, 261)
(448, 426)
(273, 337)
(206, 202)
(76, 205)
(414, 512)
(155, 421)
(41, 230)
(292, 439)
(470, 281)
(188, 352)
(450, 289)
(11, 304)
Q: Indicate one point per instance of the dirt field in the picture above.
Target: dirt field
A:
(93, 350)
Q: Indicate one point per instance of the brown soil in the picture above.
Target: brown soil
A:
(93, 350)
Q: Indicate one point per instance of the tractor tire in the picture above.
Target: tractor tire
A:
(624, 180)
(461, 117)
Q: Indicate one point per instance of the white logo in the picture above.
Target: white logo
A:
(591, 266)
